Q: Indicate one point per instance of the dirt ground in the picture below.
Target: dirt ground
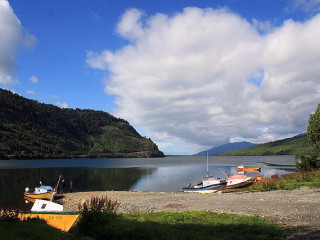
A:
(298, 209)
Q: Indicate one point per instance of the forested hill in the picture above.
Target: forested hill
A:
(289, 146)
(29, 129)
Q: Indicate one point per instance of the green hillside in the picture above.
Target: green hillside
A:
(289, 146)
(29, 129)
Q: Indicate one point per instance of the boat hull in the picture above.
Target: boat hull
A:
(243, 184)
(206, 189)
(248, 169)
(48, 195)
(63, 221)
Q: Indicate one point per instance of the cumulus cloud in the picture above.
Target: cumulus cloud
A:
(12, 36)
(202, 77)
(33, 79)
(61, 105)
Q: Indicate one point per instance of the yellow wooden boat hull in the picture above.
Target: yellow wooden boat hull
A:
(63, 221)
(47, 195)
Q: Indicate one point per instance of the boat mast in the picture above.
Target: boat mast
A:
(207, 166)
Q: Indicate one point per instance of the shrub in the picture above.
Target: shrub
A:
(96, 213)
(99, 204)
(288, 181)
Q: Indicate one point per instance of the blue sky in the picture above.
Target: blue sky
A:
(75, 51)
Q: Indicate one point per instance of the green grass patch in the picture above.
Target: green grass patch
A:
(185, 225)
(161, 225)
(287, 182)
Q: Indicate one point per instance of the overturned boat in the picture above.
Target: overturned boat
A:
(53, 213)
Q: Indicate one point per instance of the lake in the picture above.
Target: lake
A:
(135, 174)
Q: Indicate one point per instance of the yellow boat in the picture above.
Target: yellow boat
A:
(61, 220)
(42, 192)
(47, 195)
(53, 213)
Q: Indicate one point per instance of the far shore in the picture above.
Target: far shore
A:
(294, 208)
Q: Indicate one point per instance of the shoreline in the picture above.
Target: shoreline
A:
(292, 208)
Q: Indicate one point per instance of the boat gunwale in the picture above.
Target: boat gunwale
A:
(205, 188)
(51, 212)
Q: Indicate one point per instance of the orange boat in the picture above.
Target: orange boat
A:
(243, 168)
(61, 220)
(53, 213)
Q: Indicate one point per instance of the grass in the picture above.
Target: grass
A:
(161, 225)
(33, 229)
(287, 182)
(190, 225)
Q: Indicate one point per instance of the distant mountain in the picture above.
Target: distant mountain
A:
(29, 129)
(228, 147)
(289, 146)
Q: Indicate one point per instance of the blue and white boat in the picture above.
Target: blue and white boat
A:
(208, 185)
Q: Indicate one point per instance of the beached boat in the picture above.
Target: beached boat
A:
(243, 168)
(239, 181)
(207, 185)
(53, 213)
(43, 192)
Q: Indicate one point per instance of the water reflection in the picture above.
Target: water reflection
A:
(14, 181)
(144, 174)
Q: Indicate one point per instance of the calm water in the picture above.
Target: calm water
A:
(142, 174)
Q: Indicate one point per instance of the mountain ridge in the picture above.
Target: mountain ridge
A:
(29, 129)
(225, 148)
(289, 146)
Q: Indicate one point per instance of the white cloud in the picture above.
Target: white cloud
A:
(33, 79)
(12, 36)
(308, 6)
(31, 92)
(203, 76)
(130, 25)
(61, 105)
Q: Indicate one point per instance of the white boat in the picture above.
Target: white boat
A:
(208, 185)
(46, 206)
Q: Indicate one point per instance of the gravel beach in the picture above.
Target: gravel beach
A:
(295, 208)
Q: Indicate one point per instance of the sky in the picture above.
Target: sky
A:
(189, 74)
